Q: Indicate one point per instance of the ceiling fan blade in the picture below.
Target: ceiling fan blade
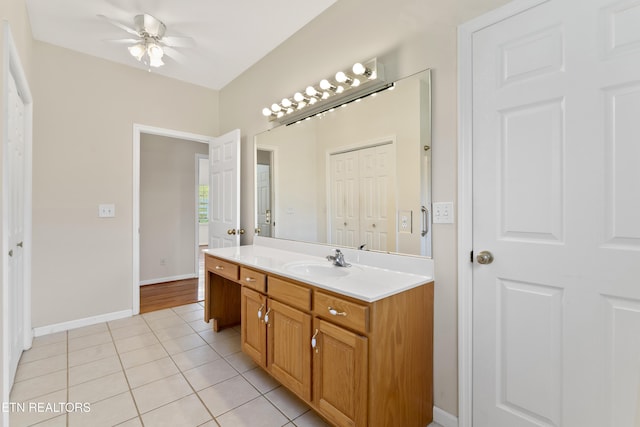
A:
(123, 41)
(178, 41)
(175, 55)
(119, 25)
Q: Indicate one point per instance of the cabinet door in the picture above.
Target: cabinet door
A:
(340, 360)
(254, 338)
(289, 348)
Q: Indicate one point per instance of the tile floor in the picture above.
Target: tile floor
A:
(164, 368)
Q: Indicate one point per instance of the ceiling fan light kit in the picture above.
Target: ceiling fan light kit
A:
(152, 44)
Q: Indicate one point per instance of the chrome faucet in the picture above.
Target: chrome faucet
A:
(338, 259)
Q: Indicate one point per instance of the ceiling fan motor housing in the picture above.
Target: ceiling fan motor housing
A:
(148, 26)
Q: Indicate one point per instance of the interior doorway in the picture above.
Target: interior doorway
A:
(264, 192)
(163, 261)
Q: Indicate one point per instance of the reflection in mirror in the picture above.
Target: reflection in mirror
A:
(355, 176)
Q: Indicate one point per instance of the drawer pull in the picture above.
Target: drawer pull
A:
(260, 312)
(250, 279)
(266, 317)
(335, 312)
(314, 343)
(219, 267)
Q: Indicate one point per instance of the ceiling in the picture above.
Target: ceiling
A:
(230, 36)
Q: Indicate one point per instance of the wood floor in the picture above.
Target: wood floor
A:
(168, 294)
(172, 294)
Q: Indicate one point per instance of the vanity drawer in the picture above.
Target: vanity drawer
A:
(253, 279)
(342, 311)
(289, 293)
(222, 268)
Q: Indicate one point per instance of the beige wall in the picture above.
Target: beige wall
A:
(168, 207)
(407, 36)
(84, 113)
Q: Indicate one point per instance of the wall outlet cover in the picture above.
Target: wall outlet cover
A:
(405, 221)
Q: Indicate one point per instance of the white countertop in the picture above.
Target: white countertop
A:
(364, 282)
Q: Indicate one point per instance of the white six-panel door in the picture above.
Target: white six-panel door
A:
(556, 170)
(16, 213)
(345, 200)
(224, 190)
(362, 195)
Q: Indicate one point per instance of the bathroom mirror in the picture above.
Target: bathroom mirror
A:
(358, 175)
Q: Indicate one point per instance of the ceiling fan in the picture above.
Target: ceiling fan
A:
(151, 44)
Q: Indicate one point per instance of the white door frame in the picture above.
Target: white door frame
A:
(465, 198)
(139, 129)
(198, 158)
(12, 66)
(274, 179)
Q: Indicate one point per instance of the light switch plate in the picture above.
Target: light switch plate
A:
(443, 213)
(106, 210)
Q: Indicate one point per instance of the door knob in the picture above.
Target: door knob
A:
(231, 231)
(241, 231)
(485, 257)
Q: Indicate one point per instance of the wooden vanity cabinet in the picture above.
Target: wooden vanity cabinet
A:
(277, 336)
(253, 329)
(340, 374)
(221, 293)
(372, 364)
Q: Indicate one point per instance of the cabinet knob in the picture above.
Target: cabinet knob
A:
(314, 342)
(335, 312)
(260, 312)
(250, 279)
(219, 267)
(266, 317)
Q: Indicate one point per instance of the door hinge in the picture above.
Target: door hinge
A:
(471, 256)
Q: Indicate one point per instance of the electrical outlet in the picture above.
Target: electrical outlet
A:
(106, 211)
(404, 221)
(443, 213)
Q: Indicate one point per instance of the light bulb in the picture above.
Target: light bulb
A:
(340, 89)
(298, 97)
(341, 77)
(311, 91)
(286, 102)
(301, 105)
(355, 83)
(325, 95)
(266, 112)
(280, 114)
(289, 110)
(359, 69)
(326, 85)
(275, 108)
(156, 62)
(313, 101)
(154, 51)
(137, 51)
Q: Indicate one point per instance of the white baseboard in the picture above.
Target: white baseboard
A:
(78, 323)
(444, 418)
(168, 279)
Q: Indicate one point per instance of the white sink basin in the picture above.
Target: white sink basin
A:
(316, 269)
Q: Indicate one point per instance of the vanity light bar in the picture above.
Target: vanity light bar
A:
(362, 80)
